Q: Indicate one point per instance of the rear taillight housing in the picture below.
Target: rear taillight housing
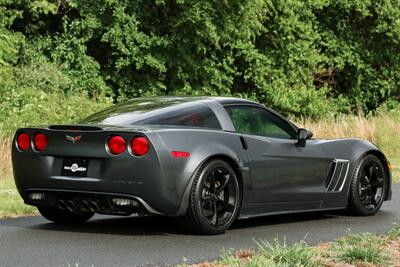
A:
(116, 144)
(139, 146)
(23, 141)
(40, 142)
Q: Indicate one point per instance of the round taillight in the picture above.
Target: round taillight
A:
(40, 142)
(116, 144)
(23, 141)
(139, 146)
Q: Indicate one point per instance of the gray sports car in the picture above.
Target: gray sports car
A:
(209, 160)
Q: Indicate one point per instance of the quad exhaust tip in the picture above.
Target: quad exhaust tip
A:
(78, 205)
(125, 202)
(81, 205)
(37, 196)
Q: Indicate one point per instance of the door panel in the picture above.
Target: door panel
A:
(281, 170)
(284, 172)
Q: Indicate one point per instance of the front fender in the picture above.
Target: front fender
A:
(354, 150)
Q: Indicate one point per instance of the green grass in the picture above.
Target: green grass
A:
(355, 254)
(395, 232)
(352, 250)
(11, 204)
(360, 248)
(273, 254)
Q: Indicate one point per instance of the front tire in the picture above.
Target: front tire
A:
(214, 200)
(367, 189)
(57, 215)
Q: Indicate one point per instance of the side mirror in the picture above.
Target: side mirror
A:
(302, 136)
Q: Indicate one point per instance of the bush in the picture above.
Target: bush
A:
(40, 93)
(30, 107)
(309, 58)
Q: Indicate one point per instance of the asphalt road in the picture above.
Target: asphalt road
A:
(130, 241)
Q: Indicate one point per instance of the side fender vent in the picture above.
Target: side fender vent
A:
(337, 175)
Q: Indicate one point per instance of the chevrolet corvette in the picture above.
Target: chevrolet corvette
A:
(208, 160)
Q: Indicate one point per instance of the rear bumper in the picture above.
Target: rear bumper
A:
(154, 183)
(98, 202)
(153, 192)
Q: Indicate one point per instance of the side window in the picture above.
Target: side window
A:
(258, 121)
(196, 116)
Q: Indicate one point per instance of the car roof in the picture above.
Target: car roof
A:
(221, 99)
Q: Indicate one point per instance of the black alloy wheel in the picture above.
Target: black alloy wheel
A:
(367, 190)
(214, 199)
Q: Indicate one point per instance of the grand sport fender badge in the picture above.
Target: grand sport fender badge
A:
(73, 139)
(75, 168)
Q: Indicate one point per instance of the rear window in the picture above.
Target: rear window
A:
(157, 112)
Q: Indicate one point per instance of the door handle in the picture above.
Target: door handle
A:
(244, 143)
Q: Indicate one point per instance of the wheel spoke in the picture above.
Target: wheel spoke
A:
(214, 219)
(227, 177)
(365, 180)
(363, 193)
(371, 172)
(212, 181)
(228, 207)
(378, 183)
(373, 201)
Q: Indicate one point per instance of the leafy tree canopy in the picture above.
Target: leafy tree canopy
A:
(303, 57)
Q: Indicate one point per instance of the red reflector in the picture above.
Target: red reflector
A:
(139, 146)
(23, 141)
(116, 144)
(180, 154)
(40, 142)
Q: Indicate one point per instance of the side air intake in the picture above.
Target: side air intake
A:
(337, 175)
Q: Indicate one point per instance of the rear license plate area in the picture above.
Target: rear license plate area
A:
(75, 167)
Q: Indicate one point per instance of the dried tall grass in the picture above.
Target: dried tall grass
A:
(5, 158)
(383, 130)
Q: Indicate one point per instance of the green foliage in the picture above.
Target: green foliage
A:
(41, 93)
(29, 107)
(309, 58)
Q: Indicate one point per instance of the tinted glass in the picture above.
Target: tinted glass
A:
(158, 111)
(258, 121)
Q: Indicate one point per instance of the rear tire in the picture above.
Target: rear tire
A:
(57, 215)
(214, 199)
(367, 188)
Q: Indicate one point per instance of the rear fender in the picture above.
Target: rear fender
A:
(207, 145)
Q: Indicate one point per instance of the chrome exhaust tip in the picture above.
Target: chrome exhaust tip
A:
(61, 204)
